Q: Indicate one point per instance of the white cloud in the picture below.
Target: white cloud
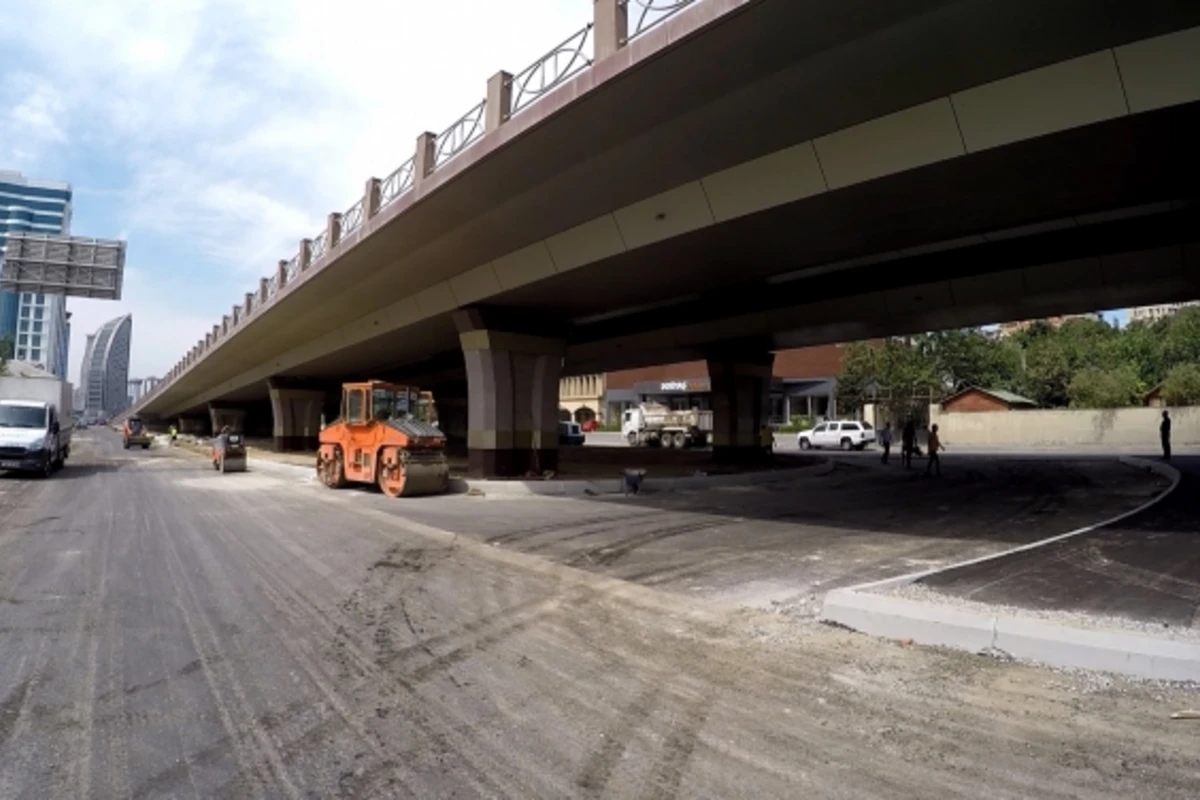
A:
(239, 126)
(31, 119)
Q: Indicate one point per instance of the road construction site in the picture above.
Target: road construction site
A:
(173, 631)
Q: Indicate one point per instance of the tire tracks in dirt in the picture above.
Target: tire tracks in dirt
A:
(256, 755)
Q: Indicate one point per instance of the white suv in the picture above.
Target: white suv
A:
(846, 434)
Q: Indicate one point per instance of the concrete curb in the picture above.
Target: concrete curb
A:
(578, 488)
(865, 609)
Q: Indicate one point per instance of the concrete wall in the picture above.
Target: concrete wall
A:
(1113, 428)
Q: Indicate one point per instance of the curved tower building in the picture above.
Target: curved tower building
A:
(105, 372)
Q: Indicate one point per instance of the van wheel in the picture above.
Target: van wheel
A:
(632, 438)
(847, 444)
(805, 444)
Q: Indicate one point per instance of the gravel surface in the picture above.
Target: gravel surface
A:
(784, 544)
(171, 632)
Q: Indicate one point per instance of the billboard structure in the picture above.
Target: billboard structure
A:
(75, 266)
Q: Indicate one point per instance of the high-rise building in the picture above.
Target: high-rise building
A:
(104, 376)
(37, 323)
(1150, 314)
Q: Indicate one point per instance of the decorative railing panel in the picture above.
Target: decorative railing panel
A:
(552, 70)
(352, 220)
(320, 246)
(292, 270)
(646, 14)
(397, 183)
(460, 135)
(273, 285)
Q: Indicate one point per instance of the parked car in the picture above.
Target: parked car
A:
(846, 434)
(590, 426)
(569, 433)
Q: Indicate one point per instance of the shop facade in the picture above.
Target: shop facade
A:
(804, 385)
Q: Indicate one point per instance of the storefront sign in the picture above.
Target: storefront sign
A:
(689, 386)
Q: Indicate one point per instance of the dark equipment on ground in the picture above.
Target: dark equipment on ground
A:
(229, 453)
(379, 438)
(134, 434)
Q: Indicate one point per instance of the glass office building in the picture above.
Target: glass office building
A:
(37, 323)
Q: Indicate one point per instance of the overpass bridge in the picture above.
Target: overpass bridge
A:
(722, 178)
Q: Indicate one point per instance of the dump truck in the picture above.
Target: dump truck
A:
(134, 433)
(655, 425)
(35, 420)
(379, 438)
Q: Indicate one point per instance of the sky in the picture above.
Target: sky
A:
(213, 135)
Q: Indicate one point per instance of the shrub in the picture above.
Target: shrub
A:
(1182, 386)
(1105, 388)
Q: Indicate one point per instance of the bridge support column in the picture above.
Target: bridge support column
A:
(221, 416)
(296, 414)
(741, 386)
(512, 405)
(450, 400)
(193, 426)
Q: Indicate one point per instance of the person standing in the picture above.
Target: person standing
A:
(935, 446)
(1164, 433)
(908, 440)
(885, 441)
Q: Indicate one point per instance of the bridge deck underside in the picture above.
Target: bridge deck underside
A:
(695, 109)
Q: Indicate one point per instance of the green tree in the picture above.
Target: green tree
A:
(1048, 371)
(968, 357)
(1182, 385)
(899, 375)
(1141, 346)
(1093, 387)
(1181, 337)
(859, 372)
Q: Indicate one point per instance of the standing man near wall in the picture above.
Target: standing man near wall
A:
(908, 441)
(885, 441)
(1164, 433)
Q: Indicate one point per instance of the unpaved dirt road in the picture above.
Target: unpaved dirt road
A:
(168, 632)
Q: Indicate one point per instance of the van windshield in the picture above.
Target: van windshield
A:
(22, 417)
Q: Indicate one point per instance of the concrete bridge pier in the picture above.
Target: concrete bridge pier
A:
(741, 385)
(193, 426)
(512, 404)
(296, 414)
(451, 401)
(221, 416)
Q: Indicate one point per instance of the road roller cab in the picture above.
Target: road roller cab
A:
(380, 439)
